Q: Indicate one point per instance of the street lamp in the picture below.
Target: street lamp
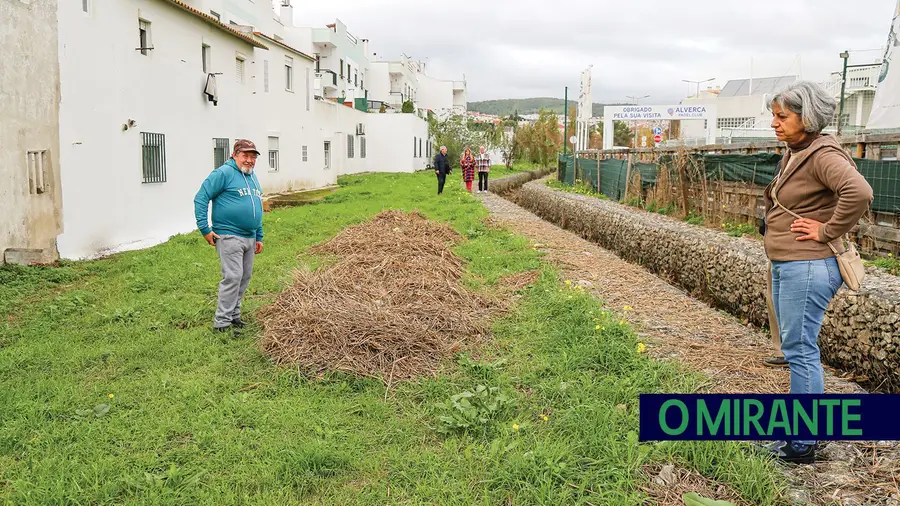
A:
(845, 55)
(635, 99)
(698, 83)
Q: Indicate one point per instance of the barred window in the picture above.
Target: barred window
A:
(38, 171)
(153, 157)
(220, 151)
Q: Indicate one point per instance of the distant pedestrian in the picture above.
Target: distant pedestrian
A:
(818, 196)
(236, 231)
(484, 167)
(441, 168)
(467, 166)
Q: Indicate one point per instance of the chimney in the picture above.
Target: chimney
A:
(287, 13)
(366, 47)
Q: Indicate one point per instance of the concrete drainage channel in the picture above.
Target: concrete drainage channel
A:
(297, 198)
(861, 332)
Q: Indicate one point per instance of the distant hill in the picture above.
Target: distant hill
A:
(508, 106)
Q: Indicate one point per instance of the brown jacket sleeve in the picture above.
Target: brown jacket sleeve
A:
(853, 191)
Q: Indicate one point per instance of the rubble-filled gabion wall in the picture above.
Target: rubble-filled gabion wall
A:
(504, 185)
(861, 332)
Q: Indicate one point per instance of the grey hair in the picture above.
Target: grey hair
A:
(808, 99)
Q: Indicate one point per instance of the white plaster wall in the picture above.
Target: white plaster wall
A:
(693, 129)
(730, 107)
(379, 81)
(284, 115)
(726, 107)
(390, 142)
(460, 100)
(435, 94)
(29, 104)
(105, 83)
(335, 122)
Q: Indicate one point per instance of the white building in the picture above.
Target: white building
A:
(740, 105)
(341, 63)
(744, 116)
(406, 79)
(138, 132)
(859, 95)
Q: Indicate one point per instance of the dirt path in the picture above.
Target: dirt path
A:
(674, 325)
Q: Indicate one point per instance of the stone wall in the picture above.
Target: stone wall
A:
(861, 331)
(509, 183)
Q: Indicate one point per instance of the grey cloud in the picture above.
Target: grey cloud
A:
(514, 49)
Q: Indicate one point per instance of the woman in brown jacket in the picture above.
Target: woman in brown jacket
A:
(816, 198)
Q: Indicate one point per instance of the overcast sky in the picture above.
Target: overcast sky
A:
(534, 48)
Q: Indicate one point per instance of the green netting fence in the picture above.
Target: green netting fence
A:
(758, 168)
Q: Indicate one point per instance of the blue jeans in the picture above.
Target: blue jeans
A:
(801, 292)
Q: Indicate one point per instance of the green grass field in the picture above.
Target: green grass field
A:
(113, 389)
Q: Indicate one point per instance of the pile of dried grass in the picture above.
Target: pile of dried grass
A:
(391, 307)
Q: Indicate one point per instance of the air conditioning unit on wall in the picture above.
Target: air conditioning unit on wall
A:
(361, 129)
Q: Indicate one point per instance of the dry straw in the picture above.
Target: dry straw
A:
(391, 306)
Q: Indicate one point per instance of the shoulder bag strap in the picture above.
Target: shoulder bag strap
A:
(792, 213)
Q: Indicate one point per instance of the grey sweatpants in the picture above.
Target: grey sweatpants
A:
(236, 255)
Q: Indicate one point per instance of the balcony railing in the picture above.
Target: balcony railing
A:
(858, 79)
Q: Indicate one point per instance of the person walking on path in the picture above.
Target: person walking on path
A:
(441, 168)
(818, 196)
(467, 165)
(484, 167)
(236, 232)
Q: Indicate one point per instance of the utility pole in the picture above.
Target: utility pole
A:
(845, 55)
(566, 121)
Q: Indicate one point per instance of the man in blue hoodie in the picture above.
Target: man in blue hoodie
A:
(236, 229)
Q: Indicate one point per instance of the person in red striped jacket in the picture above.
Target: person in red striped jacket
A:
(467, 164)
(483, 162)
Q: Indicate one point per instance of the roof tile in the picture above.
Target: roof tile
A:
(218, 24)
